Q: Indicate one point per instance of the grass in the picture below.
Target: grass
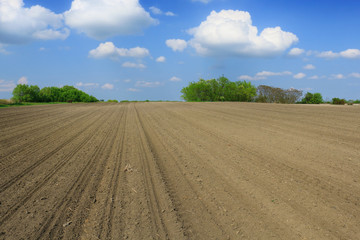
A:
(8, 103)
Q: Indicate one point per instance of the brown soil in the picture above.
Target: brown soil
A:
(180, 171)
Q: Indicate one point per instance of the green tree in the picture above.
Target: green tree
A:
(26, 93)
(220, 89)
(310, 98)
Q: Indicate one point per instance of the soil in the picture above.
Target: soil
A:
(180, 171)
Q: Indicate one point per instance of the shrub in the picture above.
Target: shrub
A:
(115, 101)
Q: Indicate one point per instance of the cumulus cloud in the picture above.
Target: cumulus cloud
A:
(309, 67)
(19, 24)
(327, 54)
(337, 76)
(81, 84)
(133, 65)
(109, 50)
(157, 11)
(107, 86)
(175, 79)
(230, 32)
(299, 75)
(354, 75)
(7, 86)
(22, 80)
(314, 77)
(350, 53)
(100, 19)
(147, 84)
(176, 44)
(296, 52)
(161, 59)
(263, 75)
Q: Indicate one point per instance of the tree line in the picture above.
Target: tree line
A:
(32, 93)
(222, 89)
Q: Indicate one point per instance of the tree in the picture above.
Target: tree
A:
(26, 93)
(268, 94)
(310, 98)
(220, 89)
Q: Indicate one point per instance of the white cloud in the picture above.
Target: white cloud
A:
(133, 90)
(7, 86)
(133, 65)
(176, 44)
(269, 74)
(170, 14)
(157, 11)
(22, 80)
(309, 67)
(100, 19)
(296, 52)
(354, 75)
(108, 50)
(3, 50)
(299, 75)
(337, 76)
(175, 79)
(161, 59)
(350, 53)
(231, 33)
(246, 78)
(81, 84)
(107, 86)
(19, 24)
(314, 77)
(147, 84)
(127, 80)
(203, 1)
(263, 75)
(327, 54)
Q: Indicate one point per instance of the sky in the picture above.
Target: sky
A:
(151, 49)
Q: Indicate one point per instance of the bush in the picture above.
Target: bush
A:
(310, 98)
(220, 89)
(115, 101)
(338, 101)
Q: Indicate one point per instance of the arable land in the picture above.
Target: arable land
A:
(180, 171)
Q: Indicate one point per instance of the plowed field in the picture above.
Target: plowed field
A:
(180, 171)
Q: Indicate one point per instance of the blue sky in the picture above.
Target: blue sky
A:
(138, 50)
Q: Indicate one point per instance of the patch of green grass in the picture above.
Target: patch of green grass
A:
(9, 104)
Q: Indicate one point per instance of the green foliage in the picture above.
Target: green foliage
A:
(220, 89)
(310, 98)
(26, 93)
(115, 101)
(356, 101)
(338, 101)
(268, 94)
